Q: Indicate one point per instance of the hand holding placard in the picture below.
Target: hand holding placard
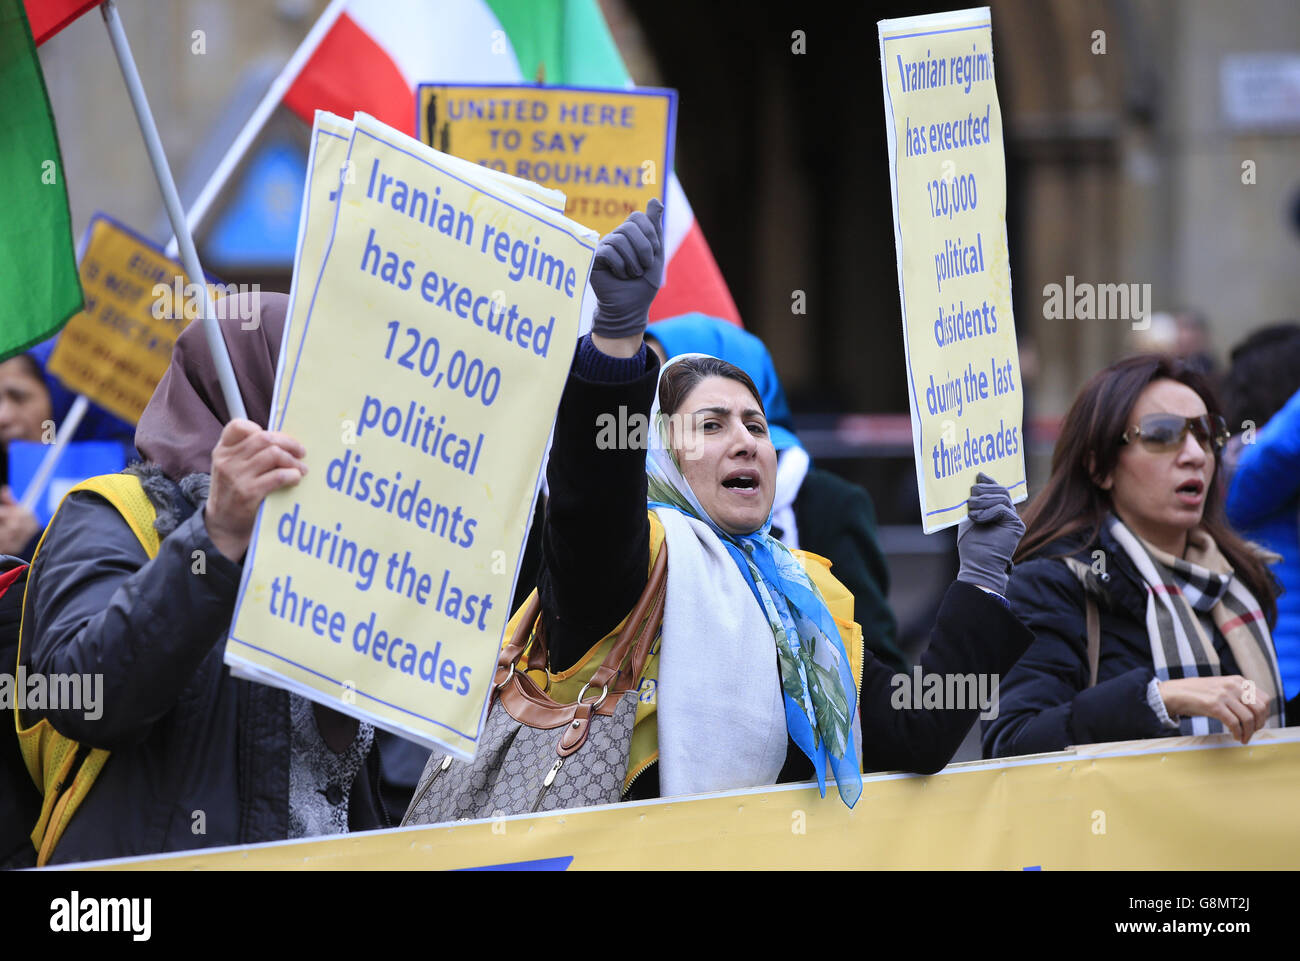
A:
(947, 177)
(247, 464)
(423, 368)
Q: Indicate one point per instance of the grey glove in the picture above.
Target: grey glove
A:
(628, 270)
(988, 537)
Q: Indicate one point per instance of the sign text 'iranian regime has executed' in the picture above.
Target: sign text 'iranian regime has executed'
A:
(608, 150)
(948, 178)
(431, 331)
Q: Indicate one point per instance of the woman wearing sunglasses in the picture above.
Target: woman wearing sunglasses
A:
(1150, 616)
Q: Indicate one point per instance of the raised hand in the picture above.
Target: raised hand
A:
(988, 537)
(626, 276)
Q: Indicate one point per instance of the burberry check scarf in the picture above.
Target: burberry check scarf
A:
(1201, 581)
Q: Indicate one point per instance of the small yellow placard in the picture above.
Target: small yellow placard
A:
(609, 151)
(137, 303)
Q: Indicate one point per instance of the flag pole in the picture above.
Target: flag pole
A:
(63, 434)
(272, 99)
(172, 200)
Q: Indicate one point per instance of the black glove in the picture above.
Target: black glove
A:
(627, 273)
(988, 536)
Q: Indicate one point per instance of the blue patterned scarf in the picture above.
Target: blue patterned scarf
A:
(816, 679)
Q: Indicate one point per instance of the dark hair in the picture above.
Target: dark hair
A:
(34, 369)
(1265, 372)
(683, 376)
(1089, 448)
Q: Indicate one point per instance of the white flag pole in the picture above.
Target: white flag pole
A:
(274, 95)
(172, 200)
(41, 479)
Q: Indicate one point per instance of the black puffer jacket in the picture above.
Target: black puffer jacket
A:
(1045, 701)
(199, 759)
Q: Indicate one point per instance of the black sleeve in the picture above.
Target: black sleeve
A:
(596, 541)
(97, 605)
(1046, 704)
(975, 633)
(838, 521)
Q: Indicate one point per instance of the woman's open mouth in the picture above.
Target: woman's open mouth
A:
(742, 482)
(1191, 492)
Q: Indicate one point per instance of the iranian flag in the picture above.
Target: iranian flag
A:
(369, 55)
(39, 286)
(48, 17)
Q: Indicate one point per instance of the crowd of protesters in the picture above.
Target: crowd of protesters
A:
(1152, 588)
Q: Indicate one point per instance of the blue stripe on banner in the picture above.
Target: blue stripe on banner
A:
(543, 864)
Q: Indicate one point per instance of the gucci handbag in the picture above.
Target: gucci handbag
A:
(536, 754)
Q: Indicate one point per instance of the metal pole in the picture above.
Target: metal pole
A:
(172, 200)
(41, 479)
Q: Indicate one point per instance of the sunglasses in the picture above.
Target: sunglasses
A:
(1162, 433)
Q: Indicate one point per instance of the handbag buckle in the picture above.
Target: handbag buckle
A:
(599, 701)
(507, 677)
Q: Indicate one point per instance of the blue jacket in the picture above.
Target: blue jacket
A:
(1264, 506)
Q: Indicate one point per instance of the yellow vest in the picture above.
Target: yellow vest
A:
(52, 758)
(564, 686)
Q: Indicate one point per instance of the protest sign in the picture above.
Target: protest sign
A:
(327, 167)
(947, 174)
(137, 302)
(610, 151)
(434, 345)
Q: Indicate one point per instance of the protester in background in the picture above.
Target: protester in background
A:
(31, 402)
(1184, 334)
(188, 739)
(1263, 397)
(1183, 605)
(813, 509)
(744, 618)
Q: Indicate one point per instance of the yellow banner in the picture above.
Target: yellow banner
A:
(948, 179)
(610, 151)
(1176, 803)
(137, 303)
(423, 379)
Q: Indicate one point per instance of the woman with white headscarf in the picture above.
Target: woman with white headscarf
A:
(759, 674)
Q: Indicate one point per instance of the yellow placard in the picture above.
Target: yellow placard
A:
(423, 380)
(328, 166)
(137, 303)
(1131, 806)
(609, 151)
(948, 178)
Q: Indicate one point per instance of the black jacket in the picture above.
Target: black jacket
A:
(20, 803)
(1046, 704)
(837, 520)
(596, 551)
(199, 759)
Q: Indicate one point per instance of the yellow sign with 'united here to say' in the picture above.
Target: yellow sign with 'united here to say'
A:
(609, 151)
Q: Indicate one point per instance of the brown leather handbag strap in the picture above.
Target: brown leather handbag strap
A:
(520, 696)
(641, 626)
(1092, 618)
(641, 652)
(538, 659)
(523, 629)
(1094, 638)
